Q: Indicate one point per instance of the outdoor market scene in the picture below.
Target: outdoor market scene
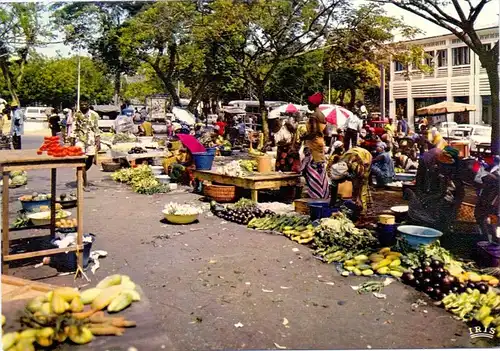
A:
(249, 175)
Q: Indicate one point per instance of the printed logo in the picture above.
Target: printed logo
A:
(480, 332)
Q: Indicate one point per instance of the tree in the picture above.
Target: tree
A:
(20, 31)
(294, 77)
(261, 35)
(53, 82)
(95, 26)
(355, 51)
(462, 24)
(157, 37)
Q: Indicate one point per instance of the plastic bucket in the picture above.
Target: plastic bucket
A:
(264, 164)
(386, 234)
(67, 262)
(318, 210)
(211, 151)
(203, 160)
(33, 206)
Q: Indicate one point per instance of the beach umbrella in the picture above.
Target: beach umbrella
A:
(183, 116)
(337, 115)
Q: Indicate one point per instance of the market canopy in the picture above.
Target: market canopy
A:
(287, 108)
(183, 116)
(106, 108)
(445, 107)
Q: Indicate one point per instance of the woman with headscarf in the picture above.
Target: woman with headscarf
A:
(287, 157)
(355, 165)
(314, 163)
(383, 166)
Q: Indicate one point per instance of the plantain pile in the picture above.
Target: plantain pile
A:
(62, 315)
(297, 228)
(384, 261)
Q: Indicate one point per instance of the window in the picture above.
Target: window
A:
(32, 110)
(398, 66)
(442, 58)
(461, 56)
(482, 132)
(429, 58)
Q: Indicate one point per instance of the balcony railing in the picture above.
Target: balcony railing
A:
(460, 71)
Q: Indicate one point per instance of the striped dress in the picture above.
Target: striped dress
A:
(315, 176)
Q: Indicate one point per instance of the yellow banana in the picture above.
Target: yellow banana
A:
(59, 304)
(111, 280)
(89, 295)
(76, 305)
(9, 339)
(66, 293)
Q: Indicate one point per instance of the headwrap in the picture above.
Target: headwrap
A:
(316, 99)
(449, 156)
(338, 144)
(382, 145)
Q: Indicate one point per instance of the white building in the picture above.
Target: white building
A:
(457, 76)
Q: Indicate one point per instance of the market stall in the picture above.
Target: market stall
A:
(22, 160)
(254, 182)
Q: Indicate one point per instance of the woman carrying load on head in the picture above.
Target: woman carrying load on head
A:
(314, 164)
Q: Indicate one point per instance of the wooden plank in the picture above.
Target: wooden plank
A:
(48, 252)
(13, 157)
(253, 177)
(79, 212)
(275, 184)
(10, 280)
(37, 166)
(5, 219)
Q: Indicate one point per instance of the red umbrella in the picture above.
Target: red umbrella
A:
(291, 109)
(336, 115)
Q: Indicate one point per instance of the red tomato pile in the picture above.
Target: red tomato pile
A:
(53, 147)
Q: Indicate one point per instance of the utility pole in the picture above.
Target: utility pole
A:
(329, 88)
(382, 91)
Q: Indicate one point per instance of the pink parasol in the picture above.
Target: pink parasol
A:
(291, 108)
(191, 143)
(337, 115)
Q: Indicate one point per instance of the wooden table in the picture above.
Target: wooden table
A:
(23, 160)
(254, 182)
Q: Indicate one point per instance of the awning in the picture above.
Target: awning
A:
(106, 108)
(445, 107)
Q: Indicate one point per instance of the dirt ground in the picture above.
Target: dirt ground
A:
(204, 278)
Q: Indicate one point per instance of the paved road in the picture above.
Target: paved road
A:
(204, 278)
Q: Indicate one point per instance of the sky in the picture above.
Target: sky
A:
(487, 18)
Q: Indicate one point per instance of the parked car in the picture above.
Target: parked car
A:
(446, 128)
(476, 134)
(36, 113)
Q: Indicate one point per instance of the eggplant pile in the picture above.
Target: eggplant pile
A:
(239, 215)
(437, 282)
(137, 150)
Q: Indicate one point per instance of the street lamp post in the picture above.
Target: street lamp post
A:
(78, 84)
(329, 88)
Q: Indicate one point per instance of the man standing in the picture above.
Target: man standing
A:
(351, 128)
(86, 131)
(362, 111)
(17, 127)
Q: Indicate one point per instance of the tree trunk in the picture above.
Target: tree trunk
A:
(342, 97)
(491, 66)
(195, 98)
(353, 98)
(117, 88)
(8, 81)
(263, 112)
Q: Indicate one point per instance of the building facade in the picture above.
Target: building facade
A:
(457, 76)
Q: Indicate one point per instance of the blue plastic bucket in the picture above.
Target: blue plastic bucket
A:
(417, 236)
(211, 151)
(318, 210)
(203, 160)
(386, 234)
(315, 212)
(67, 262)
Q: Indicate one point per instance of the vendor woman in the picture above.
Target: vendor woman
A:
(383, 166)
(314, 164)
(354, 165)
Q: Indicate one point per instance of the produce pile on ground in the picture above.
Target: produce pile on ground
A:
(173, 208)
(65, 314)
(141, 179)
(242, 212)
(35, 197)
(65, 197)
(53, 147)
(137, 150)
(124, 138)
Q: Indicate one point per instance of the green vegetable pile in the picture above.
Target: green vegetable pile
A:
(19, 178)
(141, 179)
(124, 138)
(248, 165)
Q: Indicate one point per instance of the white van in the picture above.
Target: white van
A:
(37, 113)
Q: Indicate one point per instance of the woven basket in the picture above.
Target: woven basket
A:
(301, 207)
(110, 166)
(466, 213)
(220, 193)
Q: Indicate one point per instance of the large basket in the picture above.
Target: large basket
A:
(220, 193)
(466, 213)
(110, 166)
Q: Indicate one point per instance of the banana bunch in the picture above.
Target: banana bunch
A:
(279, 222)
(472, 304)
(301, 234)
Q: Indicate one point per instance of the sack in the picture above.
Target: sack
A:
(339, 171)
